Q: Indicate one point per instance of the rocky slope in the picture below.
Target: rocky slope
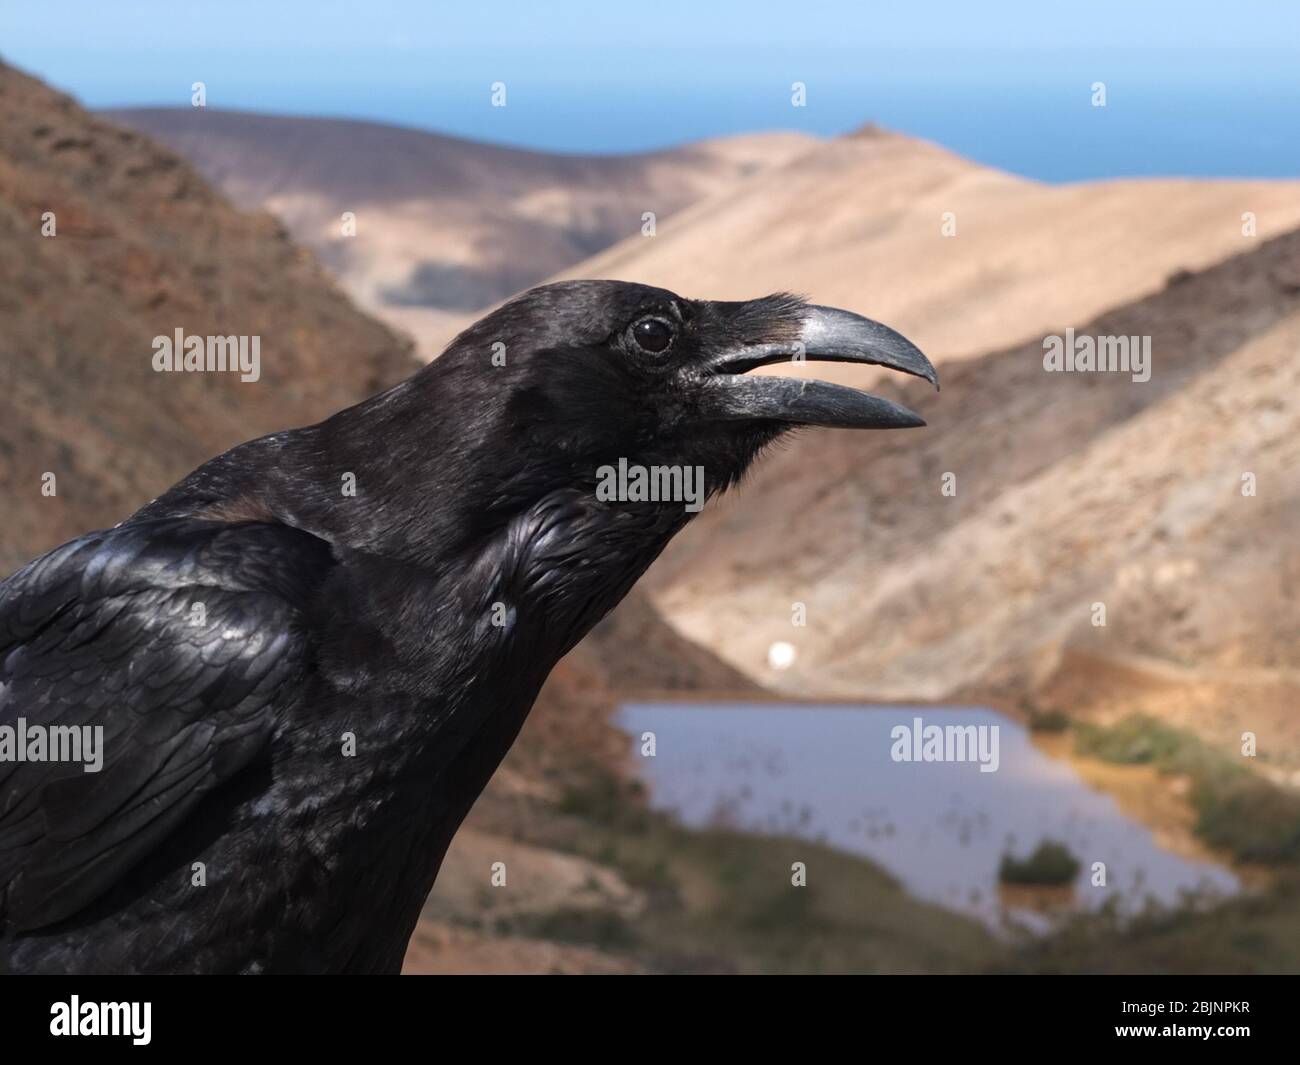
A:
(1067, 491)
(142, 246)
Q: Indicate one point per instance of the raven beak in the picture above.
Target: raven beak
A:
(827, 335)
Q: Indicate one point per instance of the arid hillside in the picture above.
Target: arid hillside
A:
(444, 226)
(1070, 489)
(861, 222)
(1170, 503)
(141, 246)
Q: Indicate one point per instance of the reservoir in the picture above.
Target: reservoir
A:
(829, 773)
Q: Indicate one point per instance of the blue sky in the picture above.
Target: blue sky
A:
(1192, 88)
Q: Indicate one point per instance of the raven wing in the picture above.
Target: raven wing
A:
(174, 637)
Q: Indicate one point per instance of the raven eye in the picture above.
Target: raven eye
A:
(653, 335)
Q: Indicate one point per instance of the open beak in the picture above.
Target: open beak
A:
(827, 335)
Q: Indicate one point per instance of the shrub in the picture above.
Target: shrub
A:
(1050, 864)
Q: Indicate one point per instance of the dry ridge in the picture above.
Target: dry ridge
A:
(444, 226)
(1070, 490)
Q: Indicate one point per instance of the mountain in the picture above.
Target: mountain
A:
(1071, 489)
(1170, 502)
(858, 222)
(444, 226)
(141, 246)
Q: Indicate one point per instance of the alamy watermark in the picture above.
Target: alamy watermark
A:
(208, 354)
(630, 483)
(21, 742)
(920, 742)
(75, 1017)
(1098, 354)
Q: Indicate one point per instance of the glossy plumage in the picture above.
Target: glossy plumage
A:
(302, 689)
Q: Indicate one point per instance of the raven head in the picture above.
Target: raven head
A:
(538, 401)
(580, 374)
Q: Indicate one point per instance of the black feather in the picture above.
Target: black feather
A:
(326, 614)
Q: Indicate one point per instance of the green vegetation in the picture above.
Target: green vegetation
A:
(1045, 720)
(1252, 933)
(1137, 740)
(1237, 810)
(1051, 864)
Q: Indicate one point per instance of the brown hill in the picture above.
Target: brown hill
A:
(142, 247)
(911, 594)
(1071, 490)
(444, 226)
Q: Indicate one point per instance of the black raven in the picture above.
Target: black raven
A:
(307, 658)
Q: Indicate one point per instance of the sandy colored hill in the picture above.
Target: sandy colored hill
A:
(444, 226)
(1071, 490)
(857, 223)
